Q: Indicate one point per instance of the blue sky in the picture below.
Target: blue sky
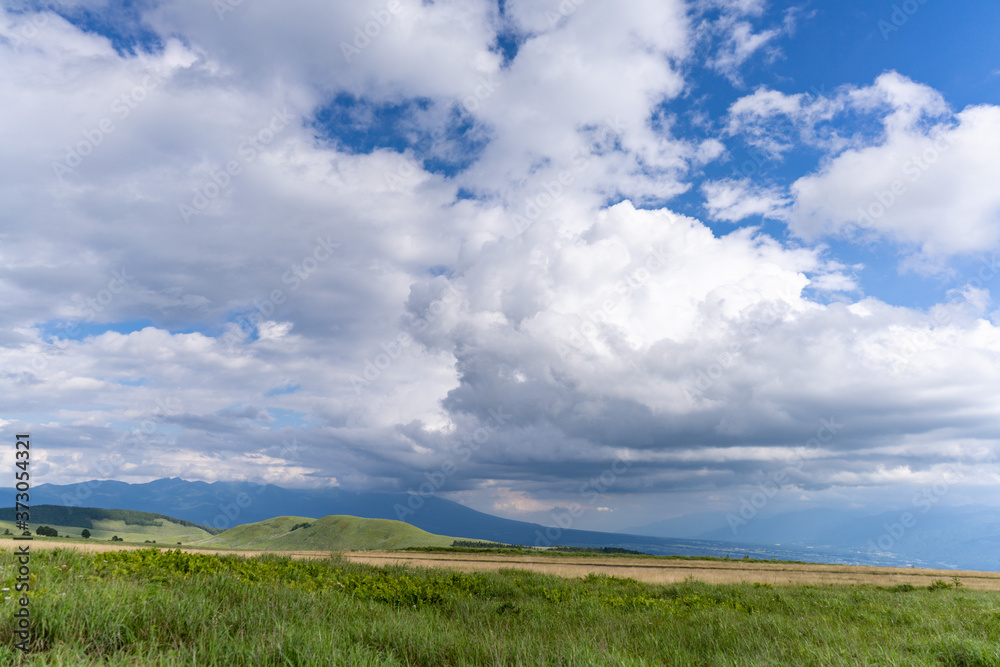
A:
(521, 242)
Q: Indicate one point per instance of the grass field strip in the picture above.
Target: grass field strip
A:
(711, 570)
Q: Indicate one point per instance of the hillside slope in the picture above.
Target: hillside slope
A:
(331, 533)
(129, 525)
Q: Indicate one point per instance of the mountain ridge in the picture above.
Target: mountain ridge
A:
(954, 537)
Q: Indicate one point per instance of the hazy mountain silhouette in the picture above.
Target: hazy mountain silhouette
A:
(958, 537)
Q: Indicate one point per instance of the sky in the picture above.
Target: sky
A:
(583, 263)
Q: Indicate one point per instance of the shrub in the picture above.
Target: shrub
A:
(939, 585)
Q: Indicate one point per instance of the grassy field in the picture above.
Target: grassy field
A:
(103, 524)
(332, 533)
(169, 533)
(668, 570)
(152, 607)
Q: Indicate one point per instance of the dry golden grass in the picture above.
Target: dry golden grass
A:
(664, 571)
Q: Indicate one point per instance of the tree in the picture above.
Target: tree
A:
(85, 533)
(46, 531)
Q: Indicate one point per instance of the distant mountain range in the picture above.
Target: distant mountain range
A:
(957, 537)
(222, 505)
(963, 537)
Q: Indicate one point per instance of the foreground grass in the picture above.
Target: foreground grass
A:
(150, 607)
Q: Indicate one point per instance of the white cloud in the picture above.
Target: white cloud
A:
(733, 201)
(923, 185)
(396, 316)
(738, 39)
(775, 122)
(923, 180)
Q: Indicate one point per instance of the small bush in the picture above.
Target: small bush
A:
(939, 585)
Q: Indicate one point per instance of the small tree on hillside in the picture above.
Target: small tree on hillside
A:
(85, 533)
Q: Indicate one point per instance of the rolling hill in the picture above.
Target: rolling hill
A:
(130, 525)
(331, 533)
(967, 537)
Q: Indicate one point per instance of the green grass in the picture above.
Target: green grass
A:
(96, 517)
(584, 552)
(129, 525)
(332, 533)
(151, 607)
(103, 530)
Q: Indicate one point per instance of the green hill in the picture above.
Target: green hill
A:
(332, 533)
(129, 525)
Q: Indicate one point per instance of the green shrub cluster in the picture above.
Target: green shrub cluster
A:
(477, 544)
(599, 550)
